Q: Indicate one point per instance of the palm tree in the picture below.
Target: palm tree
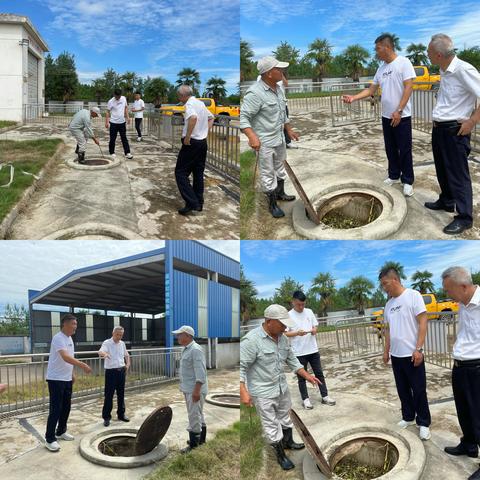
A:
(320, 51)
(355, 58)
(287, 53)
(189, 76)
(359, 290)
(156, 90)
(248, 292)
(246, 61)
(128, 84)
(421, 281)
(323, 285)
(397, 266)
(417, 53)
(216, 88)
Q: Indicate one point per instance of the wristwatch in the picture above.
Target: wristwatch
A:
(400, 111)
(420, 350)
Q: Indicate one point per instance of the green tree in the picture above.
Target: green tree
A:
(476, 278)
(15, 320)
(359, 290)
(283, 294)
(337, 66)
(189, 76)
(66, 82)
(248, 292)
(372, 66)
(156, 90)
(323, 286)
(397, 266)
(417, 53)
(378, 298)
(320, 52)
(247, 66)
(287, 53)
(128, 82)
(50, 75)
(215, 88)
(341, 299)
(421, 281)
(471, 55)
(355, 59)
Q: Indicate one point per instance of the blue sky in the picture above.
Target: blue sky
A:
(265, 23)
(37, 264)
(150, 37)
(267, 262)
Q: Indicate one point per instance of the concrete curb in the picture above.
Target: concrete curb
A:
(27, 194)
(93, 228)
(7, 129)
(216, 399)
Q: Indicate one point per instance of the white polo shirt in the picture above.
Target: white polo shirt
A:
(306, 344)
(467, 345)
(390, 78)
(459, 89)
(400, 313)
(136, 105)
(197, 108)
(58, 368)
(117, 352)
(117, 109)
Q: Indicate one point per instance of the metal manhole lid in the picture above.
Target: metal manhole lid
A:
(153, 429)
(311, 445)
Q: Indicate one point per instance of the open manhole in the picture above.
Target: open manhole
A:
(350, 210)
(94, 231)
(118, 446)
(94, 162)
(228, 400)
(364, 458)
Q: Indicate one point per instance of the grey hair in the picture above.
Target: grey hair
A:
(459, 275)
(185, 90)
(443, 44)
(118, 327)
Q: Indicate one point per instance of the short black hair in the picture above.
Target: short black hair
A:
(117, 92)
(386, 38)
(137, 93)
(67, 318)
(299, 295)
(388, 271)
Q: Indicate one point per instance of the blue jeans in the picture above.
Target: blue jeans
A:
(60, 402)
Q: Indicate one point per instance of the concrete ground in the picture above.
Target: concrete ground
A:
(139, 196)
(327, 155)
(23, 456)
(365, 393)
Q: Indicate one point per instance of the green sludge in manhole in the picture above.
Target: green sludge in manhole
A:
(351, 469)
(335, 219)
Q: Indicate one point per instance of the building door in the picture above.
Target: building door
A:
(32, 79)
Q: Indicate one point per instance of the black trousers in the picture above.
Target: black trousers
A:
(120, 128)
(450, 153)
(114, 381)
(59, 410)
(191, 161)
(398, 147)
(411, 385)
(466, 391)
(138, 126)
(314, 360)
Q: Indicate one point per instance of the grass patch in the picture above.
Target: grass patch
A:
(217, 459)
(326, 328)
(247, 199)
(6, 123)
(30, 156)
(251, 441)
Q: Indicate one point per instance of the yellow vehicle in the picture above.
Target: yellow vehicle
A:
(210, 103)
(431, 304)
(423, 75)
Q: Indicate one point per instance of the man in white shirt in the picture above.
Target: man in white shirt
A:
(60, 378)
(395, 77)
(454, 117)
(457, 283)
(117, 363)
(116, 118)
(304, 345)
(405, 316)
(138, 108)
(193, 154)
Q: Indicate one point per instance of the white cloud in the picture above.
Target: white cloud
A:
(270, 12)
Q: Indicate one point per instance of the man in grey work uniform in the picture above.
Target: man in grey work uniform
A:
(263, 119)
(81, 129)
(263, 352)
(193, 384)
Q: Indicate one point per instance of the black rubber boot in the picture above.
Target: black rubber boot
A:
(194, 442)
(280, 191)
(203, 435)
(282, 459)
(81, 157)
(274, 209)
(76, 150)
(288, 442)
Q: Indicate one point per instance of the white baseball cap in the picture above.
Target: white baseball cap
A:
(96, 110)
(265, 64)
(185, 329)
(277, 312)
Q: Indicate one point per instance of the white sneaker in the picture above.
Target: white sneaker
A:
(407, 190)
(66, 436)
(307, 404)
(53, 447)
(404, 424)
(328, 400)
(139, 139)
(425, 433)
(292, 145)
(129, 156)
(389, 181)
(113, 156)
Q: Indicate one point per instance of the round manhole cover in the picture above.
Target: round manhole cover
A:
(153, 429)
(95, 162)
(229, 400)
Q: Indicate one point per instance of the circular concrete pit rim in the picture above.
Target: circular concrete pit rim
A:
(92, 228)
(112, 163)
(411, 452)
(89, 450)
(394, 211)
(216, 399)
